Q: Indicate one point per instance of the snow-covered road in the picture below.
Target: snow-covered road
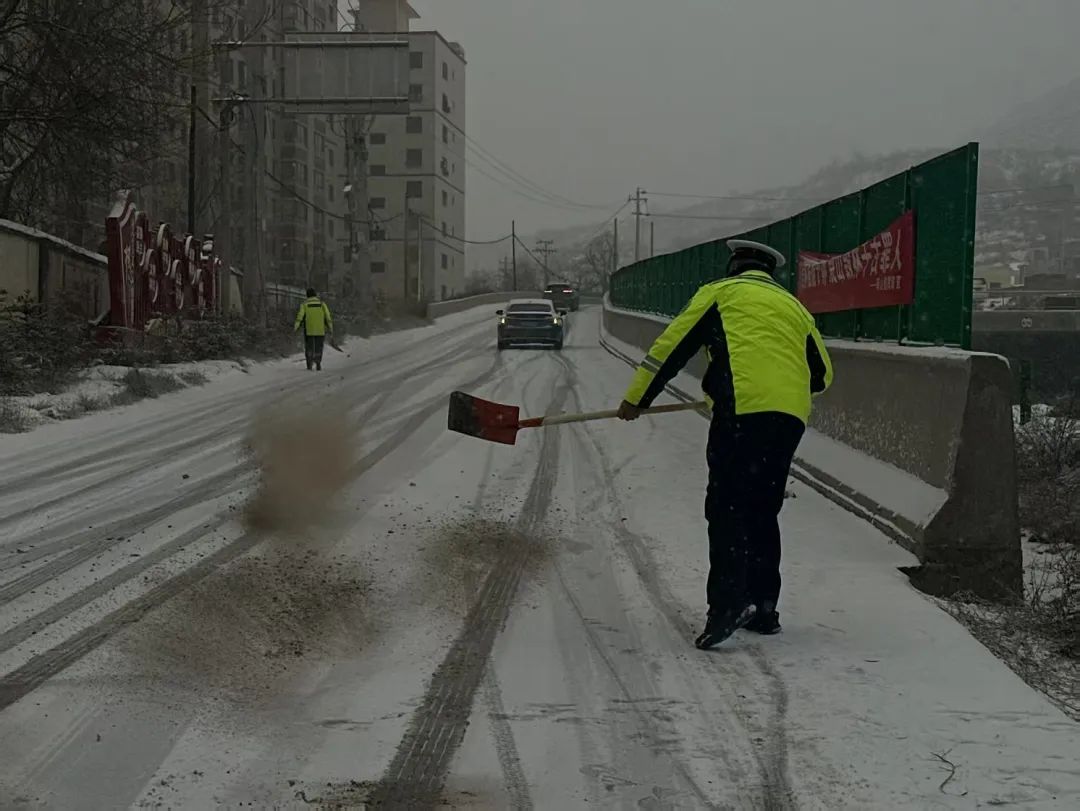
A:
(474, 625)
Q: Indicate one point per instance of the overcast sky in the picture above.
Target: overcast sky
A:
(590, 98)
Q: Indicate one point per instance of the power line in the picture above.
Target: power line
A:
(739, 197)
(530, 253)
(519, 191)
(512, 174)
(345, 218)
(520, 178)
(461, 239)
(604, 226)
(703, 217)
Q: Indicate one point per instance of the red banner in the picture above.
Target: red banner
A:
(153, 273)
(879, 273)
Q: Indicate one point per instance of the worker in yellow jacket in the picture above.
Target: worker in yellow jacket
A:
(314, 317)
(766, 360)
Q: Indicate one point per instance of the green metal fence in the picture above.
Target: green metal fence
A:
(943, 194)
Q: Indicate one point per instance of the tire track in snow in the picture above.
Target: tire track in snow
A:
(773, 763)
(417, 773)
(135, 444)
(27, 678)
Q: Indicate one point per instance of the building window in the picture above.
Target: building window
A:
(445, 134)
(378, 235)
(330, 157)
(444, 228)
(414, 158)
(330, 227)
(330, 192)
(346, 253)
(445, 262)
(445, 71)
(446, 108)
(320, 179)
(414, 189)
(378, 170)
(377, 202)
(378, 267)
(444, 197)
(416, 60)
(416, 93)
(378, 138)
(414, 125)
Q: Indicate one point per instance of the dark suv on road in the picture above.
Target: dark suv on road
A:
(530, 321)
(562, 295)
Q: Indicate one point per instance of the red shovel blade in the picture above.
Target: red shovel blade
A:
(472, 416)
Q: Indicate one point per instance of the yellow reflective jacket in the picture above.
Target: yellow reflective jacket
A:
(314, 315)
(765, 353)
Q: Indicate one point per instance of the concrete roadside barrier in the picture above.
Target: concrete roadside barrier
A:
(919, 441)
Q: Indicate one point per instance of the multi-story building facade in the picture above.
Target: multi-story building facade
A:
(286, 212)
(416, 167)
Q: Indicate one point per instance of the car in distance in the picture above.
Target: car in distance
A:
(530, 321)
(562, 295)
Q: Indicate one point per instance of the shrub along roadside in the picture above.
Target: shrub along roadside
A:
(43, 350)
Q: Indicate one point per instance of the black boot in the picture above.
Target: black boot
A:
(721, 624)
(766, 621)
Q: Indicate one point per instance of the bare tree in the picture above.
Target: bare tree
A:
(597, 263)
(91, 93)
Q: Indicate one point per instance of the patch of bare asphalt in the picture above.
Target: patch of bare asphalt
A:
(239, 633)
(459, 554)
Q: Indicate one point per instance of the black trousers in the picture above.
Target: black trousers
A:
(749, 461)
(313, 348)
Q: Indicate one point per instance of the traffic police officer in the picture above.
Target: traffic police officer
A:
(314, 317)
(765, 361)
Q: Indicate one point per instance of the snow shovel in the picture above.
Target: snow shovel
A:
(496, 422)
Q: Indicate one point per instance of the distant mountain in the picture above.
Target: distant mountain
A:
(1050, 122)
(1035, 148)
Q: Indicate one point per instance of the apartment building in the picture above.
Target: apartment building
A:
(286, 212)
(416, 167)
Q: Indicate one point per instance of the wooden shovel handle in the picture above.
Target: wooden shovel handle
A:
(563, 419)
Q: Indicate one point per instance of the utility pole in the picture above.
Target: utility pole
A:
(223, 246)
(405, 248)
(615, 248)
(200, 46)
(652, 238)
(545, 248)
(637, 199)
(419, 257)
(252, 121)
(513, 249)
(504, 272)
